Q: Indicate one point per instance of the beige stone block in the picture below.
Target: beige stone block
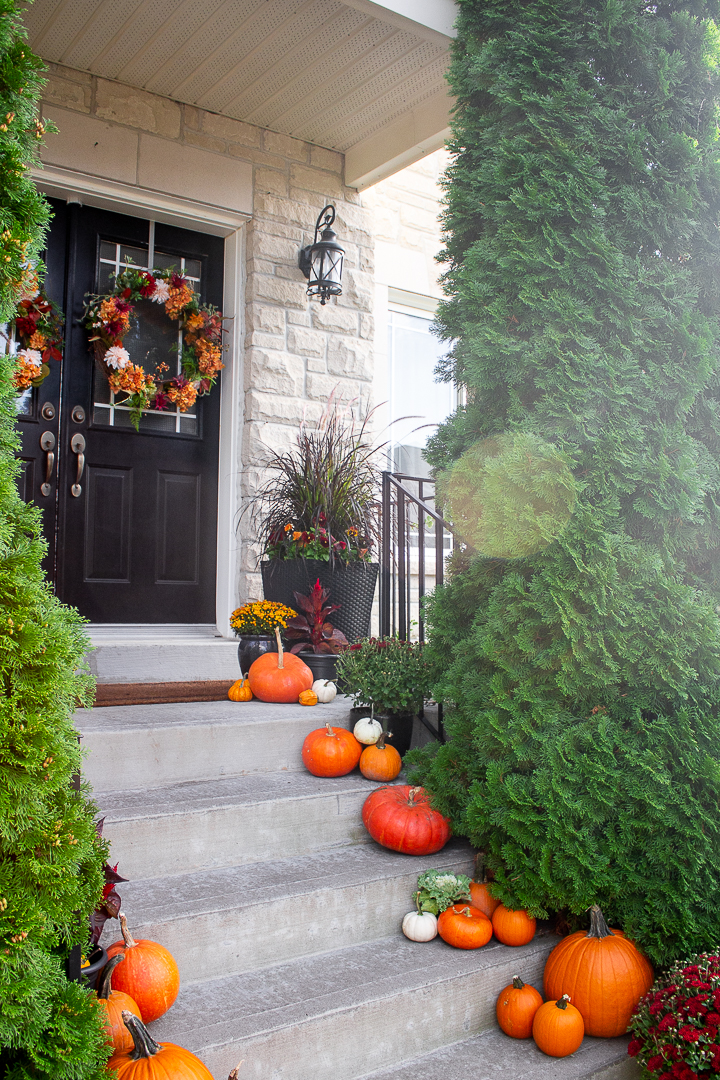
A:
(192, 117)
(320, 158)
(350, 357)
(91, 146)
(263, 244)
(195, 174)
(357, 218)
(259, 438)
(285, 145)
(424, 220)
(72, 74)
(266, 287)
(314, 364)
(274, 372)
(300, 318)
(259, 266)
(135, 108)
(412, 239)
(262, 340)
(306, 342)
(224, 127)
(386, 223)
(278, 409)
(332, 317)
(71, 95)
(287, 211)
(271, 182)
(256, 157)
(326, 184)
(358, 289)
(367, 326)
(323, 387)
(205, 142)
(269, 319)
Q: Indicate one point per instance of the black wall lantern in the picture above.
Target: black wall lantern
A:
(322, 262)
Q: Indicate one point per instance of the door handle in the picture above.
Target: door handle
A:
(77, 445)
(47, 443)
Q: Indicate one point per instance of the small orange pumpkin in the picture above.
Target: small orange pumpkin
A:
(516, 1008)
(513, 927)
(149, 975)
(464, 927)
(558, 1028)
(279, 677)
(604, 974)
(330, 751)
(149, 1060)
(112, 1002)
(308, 697)
(240, 691)
(380, 762)
(480, 895)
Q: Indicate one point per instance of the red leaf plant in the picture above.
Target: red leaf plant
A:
(311, 631)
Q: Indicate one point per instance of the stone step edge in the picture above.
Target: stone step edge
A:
(160, 693)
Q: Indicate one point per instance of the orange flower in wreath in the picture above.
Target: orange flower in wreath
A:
(180, 296)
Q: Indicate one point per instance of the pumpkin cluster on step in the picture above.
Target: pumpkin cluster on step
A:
(334, 751)
(282, 678)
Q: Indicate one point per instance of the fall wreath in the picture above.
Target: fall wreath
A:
(38, 328)
(108, 319)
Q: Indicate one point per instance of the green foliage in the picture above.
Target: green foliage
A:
(438, 890)
(24, 212)
(390, 674)
(583, 308)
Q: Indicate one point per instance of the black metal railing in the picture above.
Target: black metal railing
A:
(412, 529)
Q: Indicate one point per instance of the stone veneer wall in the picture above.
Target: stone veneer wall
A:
(297, 354)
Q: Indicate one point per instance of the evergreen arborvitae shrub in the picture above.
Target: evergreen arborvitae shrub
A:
(51, 860)
(583, 312)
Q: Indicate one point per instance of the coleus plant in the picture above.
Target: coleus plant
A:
(312, 631)
(110, 904)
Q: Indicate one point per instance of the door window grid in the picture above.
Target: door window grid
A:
(123, 258)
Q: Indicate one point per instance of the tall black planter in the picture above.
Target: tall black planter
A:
(352, 585)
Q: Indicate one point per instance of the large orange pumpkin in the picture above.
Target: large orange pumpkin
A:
(380, 761)
(464, 927)
(516, 1008)
(558, 1028)
(149, 975)
(603, 973)
(513, 927)
(280, 677)
(149, 1060)
(401, 818)
(330, 751)
(113, 1002)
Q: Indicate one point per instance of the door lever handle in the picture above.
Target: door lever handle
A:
(77, 445)
(47, 443)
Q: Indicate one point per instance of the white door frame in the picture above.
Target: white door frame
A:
(189, 214)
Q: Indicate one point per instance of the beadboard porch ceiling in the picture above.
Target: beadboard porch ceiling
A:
(360, 77)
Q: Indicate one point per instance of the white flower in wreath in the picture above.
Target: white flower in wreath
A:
(117, 357)
(31, 356)
(162, 292)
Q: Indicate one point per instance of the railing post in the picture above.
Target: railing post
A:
(401, 549)
(421, 565)
(385, 557)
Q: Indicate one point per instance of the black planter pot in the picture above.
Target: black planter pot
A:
(98, 959)
(400, 724)
(322, 665)
(251, 646)
(352, 585)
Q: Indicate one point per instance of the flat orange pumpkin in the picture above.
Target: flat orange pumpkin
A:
(464, 927)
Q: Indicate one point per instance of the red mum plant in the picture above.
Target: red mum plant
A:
(311, 631)
(675, 1028)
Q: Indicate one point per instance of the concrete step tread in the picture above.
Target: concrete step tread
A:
(216, 1012)
(185, 896)
(494, 1056)
(202, 796)
(129, 718)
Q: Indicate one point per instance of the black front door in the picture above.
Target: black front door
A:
(131, 518)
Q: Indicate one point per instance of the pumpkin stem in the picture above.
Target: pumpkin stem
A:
(280, 648)
(234, 1074)
(129, 940)
(466, 912)
(330, 732)
(412, 794)
(380, 744)
(598, 927)
(563, 1002)
(105, 989)
(517, 982)
(145, 1046)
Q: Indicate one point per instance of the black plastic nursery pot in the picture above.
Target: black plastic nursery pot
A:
(400, 724)
(322, 665)
(90, 973)
(351, 585)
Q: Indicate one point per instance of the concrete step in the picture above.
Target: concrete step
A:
(210, 824)
(223, 922)
(494, 1056)
(341, 1014)
(138, 653)
(143, 746)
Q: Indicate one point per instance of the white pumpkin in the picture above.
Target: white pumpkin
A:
(419, 926)
(325, 690)
(367, 730)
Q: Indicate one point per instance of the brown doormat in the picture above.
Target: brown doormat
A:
(158, 693)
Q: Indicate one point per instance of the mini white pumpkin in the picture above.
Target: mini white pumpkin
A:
(367, 730)
(419, 926)
(325, 690)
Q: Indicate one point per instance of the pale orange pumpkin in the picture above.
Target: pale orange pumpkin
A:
(380, 761)
(279, 677)
(516, 1008)
(240, 691)
(113, 1002)
(604, 974)
(558, 1028)
(149, 975)
(513, 927)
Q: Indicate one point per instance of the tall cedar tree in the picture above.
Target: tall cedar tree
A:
(581, 229)
(50, 858)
